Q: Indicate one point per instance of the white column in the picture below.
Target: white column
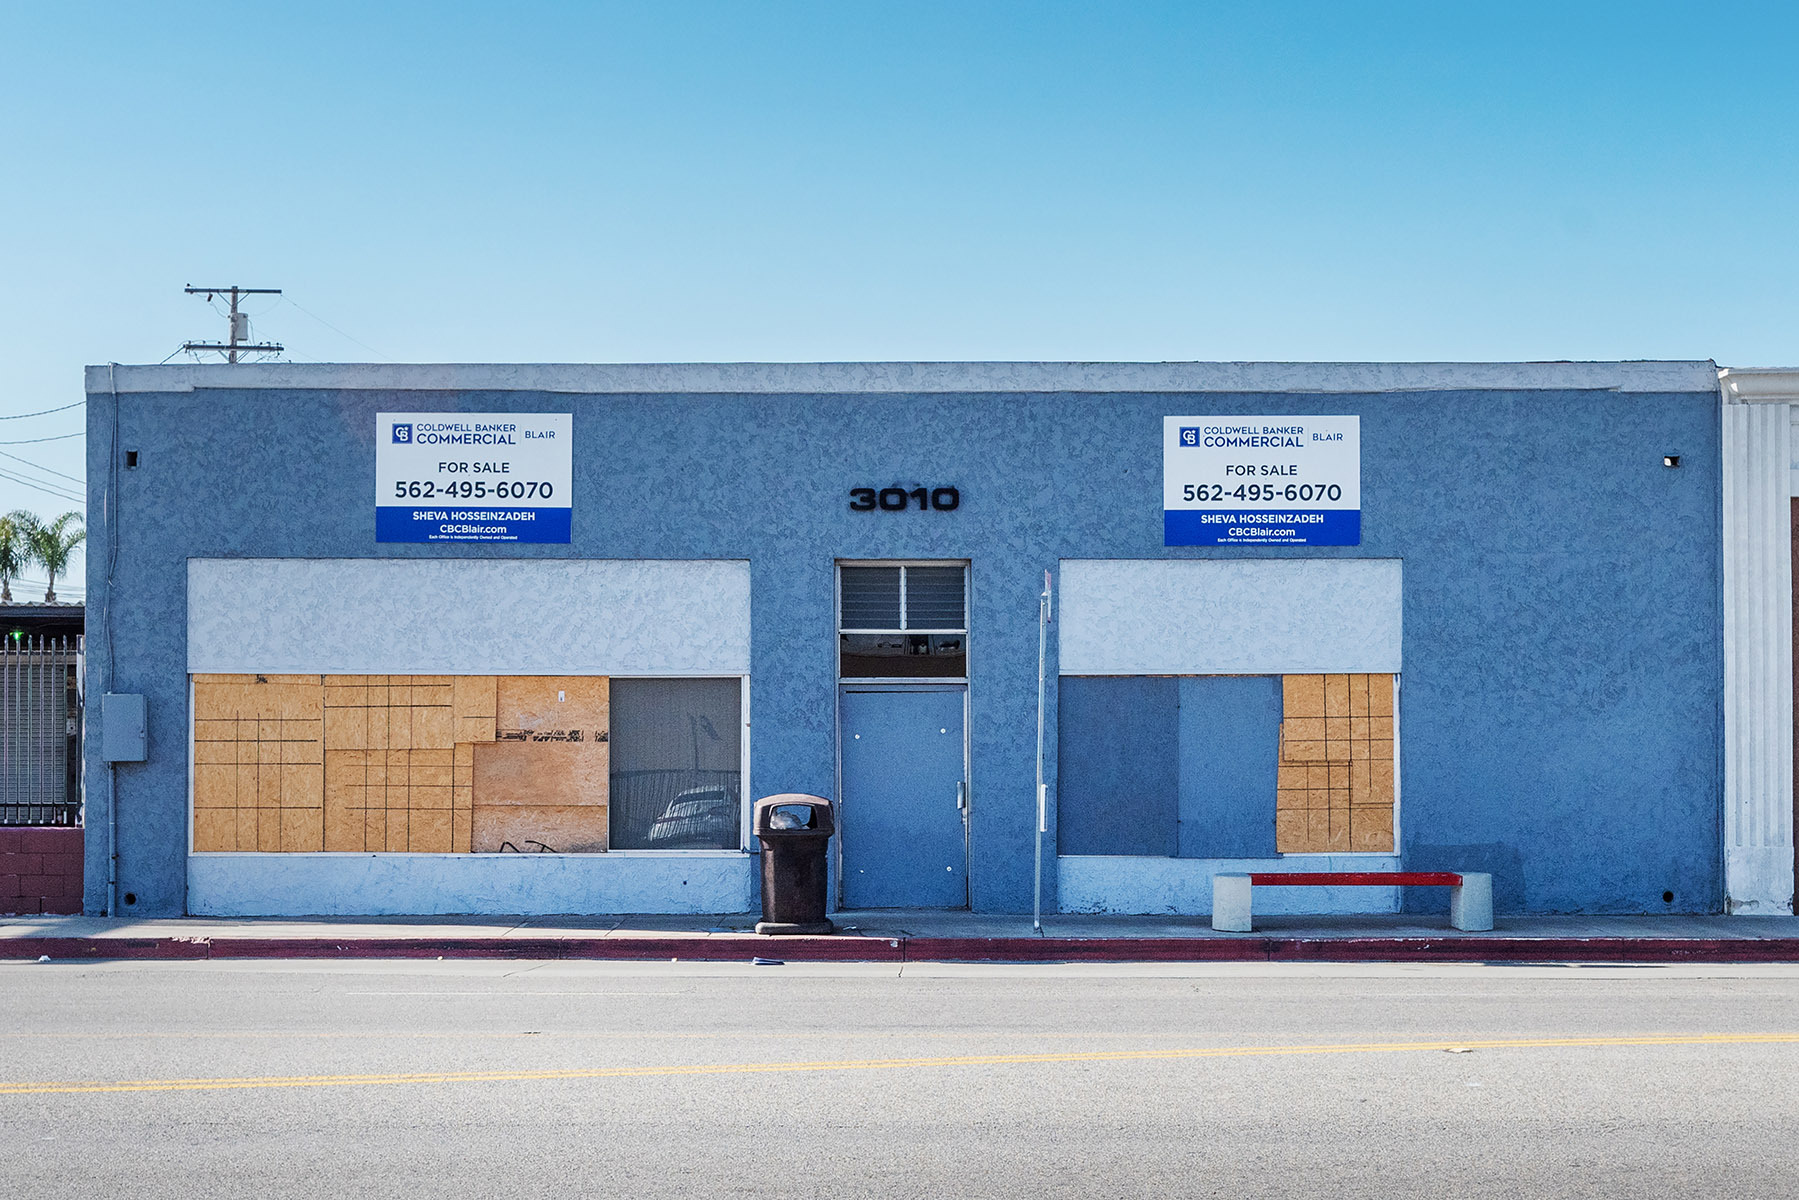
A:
(1758, 648)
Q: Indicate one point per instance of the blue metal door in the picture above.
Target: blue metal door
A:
(903, 835)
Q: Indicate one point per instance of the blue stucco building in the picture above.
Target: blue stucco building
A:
(828, 579)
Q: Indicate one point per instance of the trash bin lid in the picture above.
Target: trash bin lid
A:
(793, 813)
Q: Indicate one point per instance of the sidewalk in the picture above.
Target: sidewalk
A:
(915, 936)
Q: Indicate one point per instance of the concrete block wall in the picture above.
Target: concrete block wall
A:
(40, 871)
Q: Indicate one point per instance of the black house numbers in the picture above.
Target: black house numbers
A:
(898, 499)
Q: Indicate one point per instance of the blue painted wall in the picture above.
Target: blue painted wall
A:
(1560, 718)
(1230, 749)
(1118, 765)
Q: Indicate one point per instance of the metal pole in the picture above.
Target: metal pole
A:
(1043, 615)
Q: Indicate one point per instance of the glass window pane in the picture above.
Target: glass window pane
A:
(676, 766)
(934, 598)
(903, 656)
(871, 597)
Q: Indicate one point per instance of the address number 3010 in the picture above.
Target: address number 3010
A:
(893, 499)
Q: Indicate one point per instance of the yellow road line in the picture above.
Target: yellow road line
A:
(874, 1064)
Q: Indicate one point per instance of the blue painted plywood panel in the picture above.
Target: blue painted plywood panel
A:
(1118, 754)
(1230, 751)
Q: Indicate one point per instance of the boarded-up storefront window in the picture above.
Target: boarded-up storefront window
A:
(436, 764)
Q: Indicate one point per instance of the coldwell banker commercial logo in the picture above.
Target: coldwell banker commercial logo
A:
(403, 434)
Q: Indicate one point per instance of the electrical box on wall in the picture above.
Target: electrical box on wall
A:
(121, 728)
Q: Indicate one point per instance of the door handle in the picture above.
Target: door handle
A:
(962, 795)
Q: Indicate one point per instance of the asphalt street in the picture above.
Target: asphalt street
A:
(471, 1078)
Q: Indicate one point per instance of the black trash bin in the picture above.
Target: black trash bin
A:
(795, 831)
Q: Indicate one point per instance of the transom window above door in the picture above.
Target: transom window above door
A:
(903, 621)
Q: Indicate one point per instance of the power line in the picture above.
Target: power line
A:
(239, 327)
(41, 467)
(41, 487)
(27, 441)
(333, 328)
(45, 411)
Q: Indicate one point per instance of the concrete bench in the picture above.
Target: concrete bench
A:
(1470, 896)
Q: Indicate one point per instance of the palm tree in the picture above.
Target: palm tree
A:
(52, 544)
(15, 549)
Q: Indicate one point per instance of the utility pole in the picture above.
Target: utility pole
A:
(240, 323)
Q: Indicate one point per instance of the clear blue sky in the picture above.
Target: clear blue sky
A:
(665, 181)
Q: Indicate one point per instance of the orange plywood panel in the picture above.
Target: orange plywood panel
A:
(268, 785)
(553, 708)
(1290, 831)
(396, 831)
(433, 728)
(215, 830)
(1302, 752)
(214, 701)
(377, 727)
(461, 824)
(432, 695)
(566, 829)
(555, 773)
(215, 752)
(374, 829)
(1380, 782)
(1302, 696)
(428, 831)
(302, 830)
(343, 827)
(246, 786)
(429, 797)
(215, 786)
(1303, 729)
(1371, 830)
(302, 785)
(215, 731)
(268, 830)
(474, 729)
(346, 729)
(1336, 695)
(399, 727)
(473, 696)
(1380, 695)
(246, 828)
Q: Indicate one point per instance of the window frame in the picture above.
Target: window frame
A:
(839, 630)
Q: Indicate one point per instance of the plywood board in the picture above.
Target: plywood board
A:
(566, 829)
(529, 773)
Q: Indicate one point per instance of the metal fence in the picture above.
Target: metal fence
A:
(40, 731)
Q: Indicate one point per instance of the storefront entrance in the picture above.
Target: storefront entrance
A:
(902, 711)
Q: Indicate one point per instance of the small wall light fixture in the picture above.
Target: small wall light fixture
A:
(1670, 460)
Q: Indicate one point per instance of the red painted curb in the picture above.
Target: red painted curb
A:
(744, 947)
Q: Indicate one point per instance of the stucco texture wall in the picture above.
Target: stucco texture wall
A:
(1559, 721)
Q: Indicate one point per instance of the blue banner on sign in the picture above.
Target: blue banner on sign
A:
(1261, 527)
(429, 523)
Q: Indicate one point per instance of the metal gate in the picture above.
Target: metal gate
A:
(40, 731)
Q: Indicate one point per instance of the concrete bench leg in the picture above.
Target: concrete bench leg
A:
(1230, 903)
(1470, 906)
